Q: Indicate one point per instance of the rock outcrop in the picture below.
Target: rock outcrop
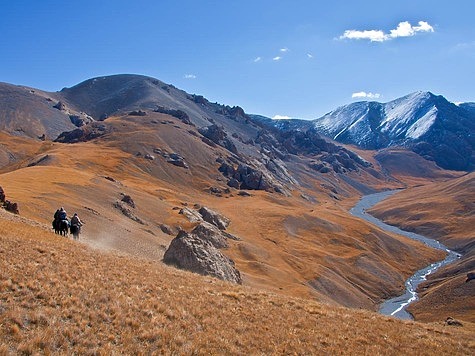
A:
(214, 218)
(217, 135)
(6, 204)
(197, 252)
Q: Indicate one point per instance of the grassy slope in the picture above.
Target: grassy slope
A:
(58, 296)
(288, 245)
(444, 211)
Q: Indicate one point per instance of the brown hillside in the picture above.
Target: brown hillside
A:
(304, 245)
(60, 297)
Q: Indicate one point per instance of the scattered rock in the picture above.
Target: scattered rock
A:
(216, 134)
(179, 114)
(128, 200)
(179, 162)
(80, 120)
(188, 251)
(192, 215)
(8, 205)
(172, 158)
(452, 322)
(470, 276)
(243, 193)
(167, 230)
(127, 212)
(214, 218)
(2, 195)
(83, 134)
(138, 113)
(60, 106)
(11, 207)
(149, 156)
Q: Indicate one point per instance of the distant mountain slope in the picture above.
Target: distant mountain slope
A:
(428, 124)
(30, 112)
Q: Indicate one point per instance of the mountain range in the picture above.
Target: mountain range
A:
(139, 158)
(428, 124)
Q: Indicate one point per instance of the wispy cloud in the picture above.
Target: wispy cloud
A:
(281, 117)
(403, 29)
(189, 76)
(257, 59)
(309, 55)
(277, 58)
(285, 49)
(363, 94)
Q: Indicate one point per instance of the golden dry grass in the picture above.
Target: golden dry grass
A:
(289, 245)
(60, 297)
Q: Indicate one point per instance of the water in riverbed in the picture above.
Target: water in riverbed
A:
(397, 306)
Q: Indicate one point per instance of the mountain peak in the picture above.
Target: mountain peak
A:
(408, 121)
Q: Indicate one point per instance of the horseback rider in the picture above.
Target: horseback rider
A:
(62, 214)
(75, 220)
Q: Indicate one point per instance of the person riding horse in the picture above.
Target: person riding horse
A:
(61, 222)
(76, 224)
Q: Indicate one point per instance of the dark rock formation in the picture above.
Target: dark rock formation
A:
(191, 252)
(127, 212)
(80, 120)
(11, 207)
(172, 158)
(168, 230)
(452, 322)
(179, 114)
(60, 106)
(470, 276)
(210, 233)
(214, 218)
(138, 113)
(128, 200)
(83, 134)
(217, 135)
(8, 205)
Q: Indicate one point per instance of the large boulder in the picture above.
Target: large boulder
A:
(214, 218)
(190, 252)
(211, 234)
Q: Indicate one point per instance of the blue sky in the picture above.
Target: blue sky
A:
(289, 58)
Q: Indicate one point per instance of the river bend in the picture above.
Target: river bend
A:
(397, 306)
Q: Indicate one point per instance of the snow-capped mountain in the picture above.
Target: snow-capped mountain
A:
(432, 126)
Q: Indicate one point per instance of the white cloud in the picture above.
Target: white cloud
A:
(403, 29)
(423, 27)
(189, 76)
(281, 117)
(278, 58)
(372, 35)
(363, 94)
(285, 49)
(309, 55)
(257, 59)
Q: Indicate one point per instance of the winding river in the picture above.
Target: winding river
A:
(397, 306)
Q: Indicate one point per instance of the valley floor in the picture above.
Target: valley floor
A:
(59, 296)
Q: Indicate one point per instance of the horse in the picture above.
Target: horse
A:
(75, 230)
(61, 227)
